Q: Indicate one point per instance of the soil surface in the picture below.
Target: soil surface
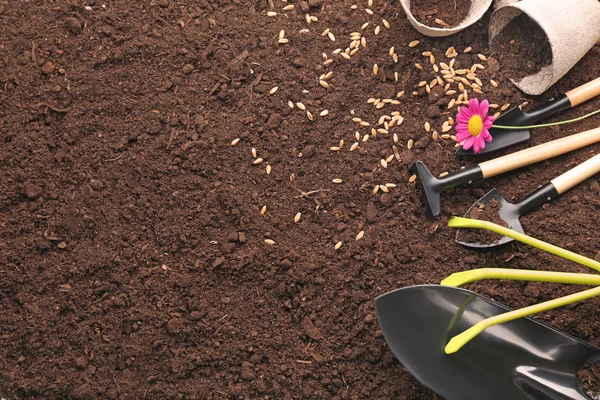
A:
(135, 259)
(523, 47)
(440, 13)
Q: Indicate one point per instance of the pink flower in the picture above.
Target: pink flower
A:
(473, 125)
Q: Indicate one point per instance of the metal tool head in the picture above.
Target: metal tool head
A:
(518, 360)
(429, 188)
(503, 138)
(492, 202)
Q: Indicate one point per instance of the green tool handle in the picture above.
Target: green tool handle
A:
(462, 278)
(458, 341)
(460, 222)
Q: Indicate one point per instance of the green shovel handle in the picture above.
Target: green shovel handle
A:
(458, 341)
(462, 278)
(460, 222)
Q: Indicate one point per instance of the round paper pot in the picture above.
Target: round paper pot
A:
(478, 8)
(572, 28)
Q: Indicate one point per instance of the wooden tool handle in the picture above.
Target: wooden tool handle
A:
(539, 153)
(584, 92)
(577, 175)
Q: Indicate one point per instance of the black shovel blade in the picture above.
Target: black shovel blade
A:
(503, 138)
(518, 360)
(495, 203)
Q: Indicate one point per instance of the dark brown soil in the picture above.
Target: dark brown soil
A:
(485, 212)
(522, 47)
(133, 262)
(440, 13)
(589, 376)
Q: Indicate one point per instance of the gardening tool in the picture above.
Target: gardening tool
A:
(571, 28)
(431, 187)
(509, 213)
(517, 360)
(475, 275)
(477, 9)
(459, 222)
(503, 138)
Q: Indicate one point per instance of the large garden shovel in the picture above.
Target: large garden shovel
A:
(517, 360)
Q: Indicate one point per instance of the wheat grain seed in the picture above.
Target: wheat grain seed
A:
(283, 41)
(258, 161)
(451, 103)
(389, 158)
(496, 115)
(292, 177)
(334, 148)
(304, 31)
(263, 210)
(386, 23)
(297, 217)
(421, 84)
(253, 151)
(360, 235)
(235, 141)
(391, 51)
(270, 242)
(324, 113)
(301, 106)
(377, 30)
(353, 52)
(369, 11)
(281, 34)
(412, 178)
(313, 18)
(395, 138)
(427, 126)
(383, 163)
(344, 55)
(309, 115)
(268, 169)
(364, 26)
(414, 43)
(325, 32)
(271, 14)
(288, 7)
(273, 90)
(338, 245)
(353, 7)
(375, 69)
(384, 189)
(410, 143)
(331, 36)
(328, 62)
(370, 3)
(307, 18)
(376, 189)
(481, 57)
(445, 136)
(324, 84)
(478, 91)
(505, 107)
(432, 59)
(365, 138)
(419, 66)
(336, 180)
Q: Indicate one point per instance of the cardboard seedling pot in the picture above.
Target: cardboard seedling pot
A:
(572, 27)
(477, 10)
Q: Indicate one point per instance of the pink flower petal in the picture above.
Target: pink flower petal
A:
(468, 143)
(484, 108)
(474, 106)
(465, 112)
(463, 118)
(487, 124)
(476, 146)
(462, 136)
(485, 134)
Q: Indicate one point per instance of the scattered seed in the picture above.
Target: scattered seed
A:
(432, 59)
(364, 26)
(370, 3)
(281, 34)
(364, 123)
(446, 127)
(324, 113)
(389, 158)
(377, 30)
(235, 141)
(450, 92)
(271, 14)
(309, 115)
(386, 23)
(360, 235)
(338, 245)
(354, 146)
(337, 180)
(395, 138)
(344, 55)
(414, 43)
(496, 115)
(451, 103)
(263, 210)
(384, 189)
(268, 169)
(331, 36)
(328, 62)
(427, 126)
(494, 83)
(410, 143)
(270, 242)
(307, 18)
(445, 136)
(376, 189)
(288, 7)
(297, 217)
(396, 76)
(504, 107)
(283, 41)
(375, 69)
(325, 32)
(290, 104)
(481, 57)
(273, 90)
(391, 51)
(334, 148)
(468, 49)
(354, 7)
(301, 106)
(253, 152)
(324, 84)
(341, 142)
(258, 161)
(440, 22)
(450, 51)
(313, 18)
(524, 104)
(292, 177)
(419, 66)
(369, 11)
(303, 31)
(412, 178)
(365, 138)
(435, 136)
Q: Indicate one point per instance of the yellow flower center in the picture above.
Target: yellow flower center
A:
(475, 125)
